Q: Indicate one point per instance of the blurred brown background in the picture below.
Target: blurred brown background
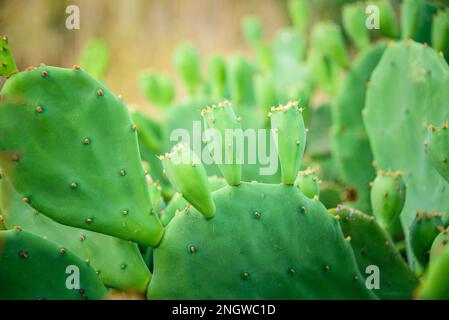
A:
(141, 34)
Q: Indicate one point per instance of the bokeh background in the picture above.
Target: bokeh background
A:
(141, 34)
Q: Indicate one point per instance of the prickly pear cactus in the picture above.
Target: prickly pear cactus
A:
(423, 232)
(308, 183)
(440, 33)
(354, 22)
(69, 148)
(373, 247)
(388, 25)
(416, 19)
(117, 262)
(439, 244)
(328, 38)
(313, 262)
(408, 91)
(7, 62)
(350, 144)
(388, 196)
(32, 268)
(158, 89)
(437, 148)
(435, 284)
(299, 12)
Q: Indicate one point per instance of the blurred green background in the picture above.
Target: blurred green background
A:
(141, 34)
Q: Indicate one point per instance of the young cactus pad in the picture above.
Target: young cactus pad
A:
(308, 182)
(32, 268)
(423, 231)
(263, 242)
(222, 118)
(354, 22)
(290, 135)
(69, 148)
(438, 149)
(188, 176)
(7, 63)
(435, 284)
(387, 200)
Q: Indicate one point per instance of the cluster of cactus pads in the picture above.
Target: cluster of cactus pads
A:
(96, 200)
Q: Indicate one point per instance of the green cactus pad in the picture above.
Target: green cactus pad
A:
(186, 60)
(7, 62)
(178, 203)
(299, 12)
(252, 30)
(117, 262)
(438, 149)
(188, 176)
(288, 125)
(70, 149)
(440, 32)
(353, 16)
(217, 77)
(438, 245)
(308, 182)
(32, 268)
(387, 200)
(158, 89)
(389, 26)
(328, 38)
(240, 81)
(423, 232)
(94, 58)
(416, 19)
(221, 118)
(435, 284)
(350, 144)
(373, 246)
(264, 242)
(408, 92)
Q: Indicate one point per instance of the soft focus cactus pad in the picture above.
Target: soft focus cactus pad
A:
(32, 268)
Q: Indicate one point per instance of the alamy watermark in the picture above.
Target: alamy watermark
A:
(72, 281)
(72, 22)
(237, 146)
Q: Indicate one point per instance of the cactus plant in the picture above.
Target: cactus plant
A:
(257, 208)
(423, 232)
(387, 200)
(308, 183)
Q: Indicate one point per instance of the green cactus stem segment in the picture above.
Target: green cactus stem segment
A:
(423, 231)
(388, 199)
(188, 175)
(222, 118)
(290, 136)
(438, 149)
(7, 62)
(309, 183)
